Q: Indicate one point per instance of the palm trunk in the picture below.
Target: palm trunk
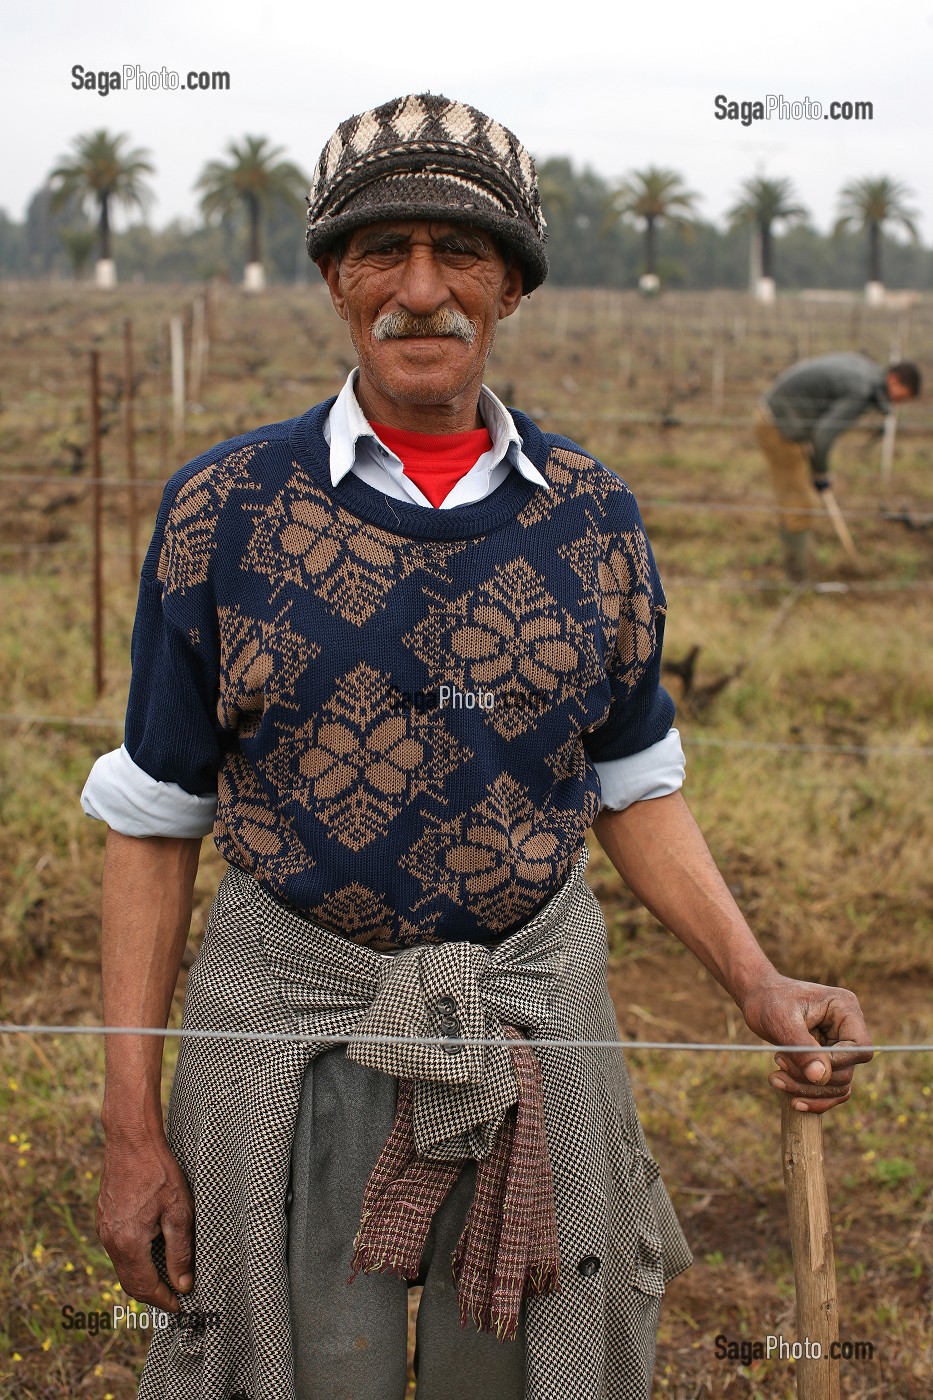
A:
(252, 202)
(650, 245)
(874, 252)
(765, 230)
(103, 228)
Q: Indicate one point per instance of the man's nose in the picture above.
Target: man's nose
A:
(422, 287)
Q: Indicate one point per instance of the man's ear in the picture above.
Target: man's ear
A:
(511, 294)
(329, 268)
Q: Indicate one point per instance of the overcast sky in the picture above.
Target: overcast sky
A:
(615, 85)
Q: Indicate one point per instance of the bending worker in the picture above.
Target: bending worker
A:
(799, 419)
(398, 654)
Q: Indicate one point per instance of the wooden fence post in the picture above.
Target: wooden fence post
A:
(129, 392)
(718, 379)
(97, 527)
(198, 349)
(887, 449)
(177, 339)
(811, 1239)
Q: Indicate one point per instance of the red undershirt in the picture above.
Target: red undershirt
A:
(435, 462)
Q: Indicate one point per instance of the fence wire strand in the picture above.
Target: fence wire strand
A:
(701, 740)
(305, 1038)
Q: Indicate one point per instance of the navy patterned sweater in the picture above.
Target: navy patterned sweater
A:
(398, 708)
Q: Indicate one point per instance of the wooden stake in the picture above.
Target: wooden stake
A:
(163, 402)
(672, 352)
(839, 523)
(719, 378)
(97, 528)
(811, 1240)
(177, 339)
(129, 391)
(198, 349)
(887, 449)
(210, 306)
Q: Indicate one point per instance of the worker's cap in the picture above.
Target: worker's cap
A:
(426, 157)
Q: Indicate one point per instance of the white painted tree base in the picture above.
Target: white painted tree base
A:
(105, 273)
(765, 291)
(649, 284)
(874, 293)
(254, 277)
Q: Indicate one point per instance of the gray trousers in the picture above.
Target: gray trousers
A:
(350, 1340)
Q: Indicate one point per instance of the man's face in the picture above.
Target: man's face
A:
(898, 392)
(422, 302)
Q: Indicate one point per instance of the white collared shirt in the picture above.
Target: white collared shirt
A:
(354, 447)
(122, 794)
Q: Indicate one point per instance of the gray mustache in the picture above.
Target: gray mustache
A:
(398, 325)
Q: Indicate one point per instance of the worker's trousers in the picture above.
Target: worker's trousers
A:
(350, 1339)
(791, 477)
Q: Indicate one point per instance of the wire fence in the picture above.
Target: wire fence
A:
(752, 507)
(304, 1038)
(701, 740)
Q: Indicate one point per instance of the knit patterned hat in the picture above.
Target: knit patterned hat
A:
(426, 157)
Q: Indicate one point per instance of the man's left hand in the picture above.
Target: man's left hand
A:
(788, 1012)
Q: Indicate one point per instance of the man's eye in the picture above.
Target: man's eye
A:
(384, 253)
(458, 254)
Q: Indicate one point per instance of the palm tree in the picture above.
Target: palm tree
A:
(256, 178)
(102, 170)
(79, 245)
(870, 204)
(656, 196)
(764, 203)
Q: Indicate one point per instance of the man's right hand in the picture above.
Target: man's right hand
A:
(144, 1193)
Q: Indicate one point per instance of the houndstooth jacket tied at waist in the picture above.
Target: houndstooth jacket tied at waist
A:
(234, 1105)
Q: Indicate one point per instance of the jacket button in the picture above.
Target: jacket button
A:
(289, 1197)
(446, 1004)
(588, 1267)
(452, 1030)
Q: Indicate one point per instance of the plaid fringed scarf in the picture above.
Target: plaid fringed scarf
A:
(508, 1249)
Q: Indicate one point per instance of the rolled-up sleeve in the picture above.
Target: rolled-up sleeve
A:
(641, 711)
(656, 771)
(163, 780)
(132, 802)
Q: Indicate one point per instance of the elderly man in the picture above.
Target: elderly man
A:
(400, 653)
(799, 419)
